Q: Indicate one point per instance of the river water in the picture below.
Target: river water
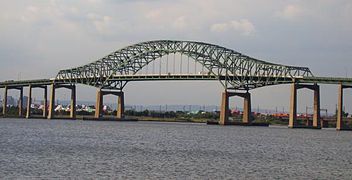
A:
(31, 149)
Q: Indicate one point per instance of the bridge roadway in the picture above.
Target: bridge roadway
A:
(185, 77)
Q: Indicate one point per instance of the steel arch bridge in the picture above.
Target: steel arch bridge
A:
(233, 69)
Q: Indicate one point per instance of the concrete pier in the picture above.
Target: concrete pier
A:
(247, 107)
(99, 104)
(29, 102)
(316, 108)
(120, 104)
(339, 123)
(224, 112)
(45, 103)
(20, 102)
(293, 105)
(52, 102)
(45, 99)
(72, 104)
(4, 105)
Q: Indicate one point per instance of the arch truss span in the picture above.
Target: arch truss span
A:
(233, 69)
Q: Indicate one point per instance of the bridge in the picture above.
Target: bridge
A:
(156, 61)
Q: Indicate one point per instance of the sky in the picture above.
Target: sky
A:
(38, 38)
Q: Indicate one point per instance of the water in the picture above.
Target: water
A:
(31, 149)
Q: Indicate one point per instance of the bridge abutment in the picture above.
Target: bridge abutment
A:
(247, 109)
(340, 123)
(293, 105)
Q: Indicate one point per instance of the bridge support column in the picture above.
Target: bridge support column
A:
(73, 102)
(4, 106)
(339, 123)
(293, 105)
(316, 115)
(45, 103)
(29, 102)
(20, 102)
(247, 109)
(99, 104)
(52, 102)
(224, 111)
(121, 105)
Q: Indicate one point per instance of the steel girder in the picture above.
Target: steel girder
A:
(233, 69)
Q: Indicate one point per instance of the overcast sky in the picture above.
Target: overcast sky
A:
(37, 38)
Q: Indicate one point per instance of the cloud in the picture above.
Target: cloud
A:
(94, 1)
(101, 23)
(154, 14)
(180, 22)
(290, 12)
(243, 26)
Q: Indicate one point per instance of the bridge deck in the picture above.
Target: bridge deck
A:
(184, 77)
(326, 80)
(25, 83)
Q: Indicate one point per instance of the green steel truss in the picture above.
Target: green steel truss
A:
(233, 69)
